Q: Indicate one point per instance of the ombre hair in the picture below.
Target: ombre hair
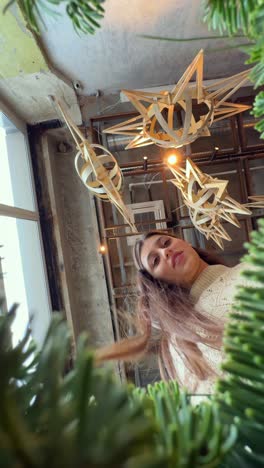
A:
(166, 319)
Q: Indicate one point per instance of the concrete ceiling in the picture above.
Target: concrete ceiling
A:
(117, 57)
(26, 76)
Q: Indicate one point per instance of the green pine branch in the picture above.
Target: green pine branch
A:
(232, 16)
(50, 419)
(85, 15)
(240, 394)
(86, 419)
(243, 17)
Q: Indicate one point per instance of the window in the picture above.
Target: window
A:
(22, 268)
(148, 213)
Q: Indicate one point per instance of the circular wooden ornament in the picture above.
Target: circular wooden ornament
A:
(160, 126)
(100, 167)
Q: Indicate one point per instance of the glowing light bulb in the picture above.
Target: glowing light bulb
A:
(145, 163)
(172, 159)
(102, 249)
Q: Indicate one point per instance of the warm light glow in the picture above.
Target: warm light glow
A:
(216, 148)
(172, 159)
(102, 249)
(145, 158)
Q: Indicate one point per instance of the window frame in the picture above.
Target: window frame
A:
(21, 213)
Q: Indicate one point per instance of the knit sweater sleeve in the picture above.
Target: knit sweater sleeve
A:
(213, 295)
(187, 379)
(218, 295)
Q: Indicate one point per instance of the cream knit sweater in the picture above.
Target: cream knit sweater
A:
(213, 294)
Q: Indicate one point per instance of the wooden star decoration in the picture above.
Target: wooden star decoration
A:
(97, 168)
(256, 201)
(208, 201)
(167, 118)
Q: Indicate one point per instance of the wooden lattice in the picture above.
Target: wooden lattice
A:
(256, 201)
(208, 201)
(98, 169)
(157, 122)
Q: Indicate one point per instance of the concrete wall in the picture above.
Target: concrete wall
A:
(76, 240)
(27, 76)
(118, 57)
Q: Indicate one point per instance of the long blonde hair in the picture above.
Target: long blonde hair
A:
(165, 318)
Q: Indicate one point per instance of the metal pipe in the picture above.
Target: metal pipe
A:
(151, 162)
(117, 142)
(133, 184)
(150, 166)
(119, 250)
(222, 159)
(140, 223)
(109, 284)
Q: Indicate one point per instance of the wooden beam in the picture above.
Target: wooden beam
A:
(14, 212)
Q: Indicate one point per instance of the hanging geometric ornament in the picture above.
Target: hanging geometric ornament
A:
(167, 118)
(208, 201)
(257, 201)
(98, 169)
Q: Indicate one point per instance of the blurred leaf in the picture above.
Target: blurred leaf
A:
(83, 13)
(85, 418)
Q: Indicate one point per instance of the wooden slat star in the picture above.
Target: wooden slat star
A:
(100, 173)
(157, 122)
(208, 201)
(257, 201)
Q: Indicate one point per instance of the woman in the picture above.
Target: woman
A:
(185, 296)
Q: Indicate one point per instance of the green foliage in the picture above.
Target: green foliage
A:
(50, 419)
(84, 418)
(230, 15)
(246, 16)
(241, 393)
(84, 14)
(258, 112)
(186, 436)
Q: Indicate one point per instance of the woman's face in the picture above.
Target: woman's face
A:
(172, 260)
